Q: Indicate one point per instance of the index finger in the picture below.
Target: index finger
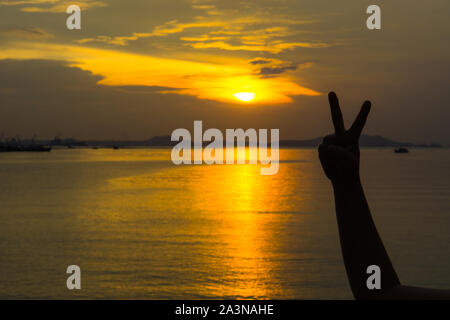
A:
(336, 114)
(360, 121)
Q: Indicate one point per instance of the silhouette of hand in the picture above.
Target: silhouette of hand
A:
(339, 152)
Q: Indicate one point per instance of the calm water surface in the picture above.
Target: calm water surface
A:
(140, 227)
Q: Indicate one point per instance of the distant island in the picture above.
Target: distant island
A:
(365, 141)
(164, 141)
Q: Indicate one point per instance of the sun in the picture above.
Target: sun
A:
(245, 96)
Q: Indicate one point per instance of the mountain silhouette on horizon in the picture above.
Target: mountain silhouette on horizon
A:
(365, 141)
(165, 141)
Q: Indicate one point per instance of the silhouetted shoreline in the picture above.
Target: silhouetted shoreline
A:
(164, 141)
(25, 148)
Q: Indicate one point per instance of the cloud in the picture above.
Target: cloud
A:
(70, 102)
(267, 68)
(273, 47)
(207, 6)
(228, 31)
(146, 89)
(210, 81)
(119, 41)
(277, 70)
(26, 2)
(53, 6)
(171, 27)
(241, 38)
(13, 71)
(257, 61)
(28, 33)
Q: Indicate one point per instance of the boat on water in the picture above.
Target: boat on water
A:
(401, 150)
(21, 148)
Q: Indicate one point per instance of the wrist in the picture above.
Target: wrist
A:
(348, 184)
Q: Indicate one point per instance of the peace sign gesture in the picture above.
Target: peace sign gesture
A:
(339, 152)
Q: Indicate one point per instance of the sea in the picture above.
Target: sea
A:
(140, 227)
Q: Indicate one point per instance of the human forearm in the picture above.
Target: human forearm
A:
(361, 245)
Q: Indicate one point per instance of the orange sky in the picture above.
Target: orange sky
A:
(257, 54)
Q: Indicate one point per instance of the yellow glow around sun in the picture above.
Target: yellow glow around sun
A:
(231, 81)
(245, 96)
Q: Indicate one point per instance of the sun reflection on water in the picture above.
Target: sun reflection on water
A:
(149, 229)
(227, 217)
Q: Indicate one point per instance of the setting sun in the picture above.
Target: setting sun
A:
(245, 96)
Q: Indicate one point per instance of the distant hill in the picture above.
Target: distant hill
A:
(164, 141)
(365, 141)
(160, 141)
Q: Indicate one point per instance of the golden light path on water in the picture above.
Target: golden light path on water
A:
(226, 218)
